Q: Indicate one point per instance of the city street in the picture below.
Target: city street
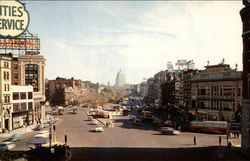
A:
(125, 138)
(124, 134)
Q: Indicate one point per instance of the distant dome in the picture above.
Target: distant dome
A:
(120, 79)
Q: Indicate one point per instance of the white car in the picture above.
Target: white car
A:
(169, 131)
(98, 129)
(44, 134)
(5, 146)
(90, 118)
(94, 122)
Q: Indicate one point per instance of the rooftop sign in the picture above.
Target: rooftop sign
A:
(14, 18)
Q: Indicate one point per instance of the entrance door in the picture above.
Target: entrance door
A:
(6, 124)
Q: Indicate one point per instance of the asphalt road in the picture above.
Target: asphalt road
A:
(124, 140)
(124, 134)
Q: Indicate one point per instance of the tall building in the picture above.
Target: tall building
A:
(245, 17)
(32, 73)
(120, 79)
(6, 107)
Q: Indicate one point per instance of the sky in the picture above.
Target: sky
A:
(93, 40)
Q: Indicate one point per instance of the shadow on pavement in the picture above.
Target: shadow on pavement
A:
(153, 154)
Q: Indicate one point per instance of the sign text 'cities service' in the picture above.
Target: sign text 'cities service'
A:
(14, 18)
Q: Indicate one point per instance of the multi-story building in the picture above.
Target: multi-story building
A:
(22, 77)
(64, 91)
(159, 79)
(23, 112)
(187, 75)
(217, 91)
(5, 93)
(150, 98)
(171, 91)
(32, 73)
(143, 89)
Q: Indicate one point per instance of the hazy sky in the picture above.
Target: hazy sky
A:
(94, 40)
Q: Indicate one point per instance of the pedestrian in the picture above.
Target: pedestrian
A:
(194, 140)
(229, 145)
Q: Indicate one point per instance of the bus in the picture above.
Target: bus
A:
(209, 126)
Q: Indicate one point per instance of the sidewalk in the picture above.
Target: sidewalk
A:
(19, 131)
(25, 130)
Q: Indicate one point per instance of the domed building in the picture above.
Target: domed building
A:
(120, 79)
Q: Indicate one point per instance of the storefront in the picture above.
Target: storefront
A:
(20, 119)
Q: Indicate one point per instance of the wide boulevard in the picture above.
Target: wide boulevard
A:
(125, 140)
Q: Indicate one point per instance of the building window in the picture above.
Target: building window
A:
(15, 66)
(8, 87)
(15, 107)
(24, 106)
(30, 106)
(228, 92)
(7, 75)
(7, 98)
(5, 87)
(23, 95)
(239, 92)
(15, 76)
(4, 75)
(15, 96)
(30, 95)
(6, 64)
(31, 76)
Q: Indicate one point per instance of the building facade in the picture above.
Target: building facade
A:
(217, 92)
(6, 107)
(23, 111)
(187, 86)
(245, 139)
(32, 73)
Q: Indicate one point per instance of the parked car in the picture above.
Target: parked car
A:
(169, 131)
(94, 122)
(136, 122)
(15, 137)
(98, 129)
(7, 145)
(44, 134)
(90, 118)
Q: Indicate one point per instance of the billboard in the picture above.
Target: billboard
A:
(14, 18)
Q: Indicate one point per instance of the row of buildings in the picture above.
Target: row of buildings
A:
(215, 93)
(22, 90)
(62, 91)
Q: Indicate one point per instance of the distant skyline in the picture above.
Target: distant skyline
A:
(93, 40)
